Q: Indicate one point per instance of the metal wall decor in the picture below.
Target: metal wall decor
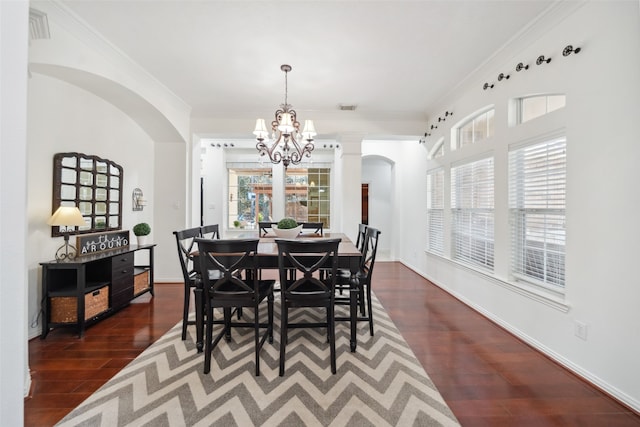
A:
(423, 140)
(541, 60)
(569, 49)
(137, 200)
(521, 67)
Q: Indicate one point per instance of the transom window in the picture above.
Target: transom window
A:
(532, 107)
(537, 191)
(476, 129)
(472, 205)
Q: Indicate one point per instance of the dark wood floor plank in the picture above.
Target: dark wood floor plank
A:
(487, 376)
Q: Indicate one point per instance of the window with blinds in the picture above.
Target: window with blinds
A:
(472, 206)
(537, 190)
(435, 211)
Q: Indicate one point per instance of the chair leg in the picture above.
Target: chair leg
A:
(283, 335)
(270, 299)
(256, 332)
(227, 323)
(185, 312)
(332, 336)
(199, 301)
(208, 344)
(369, 309)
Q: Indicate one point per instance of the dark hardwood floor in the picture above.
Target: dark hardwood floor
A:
(487, 376)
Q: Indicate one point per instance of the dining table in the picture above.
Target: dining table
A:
(348, 258)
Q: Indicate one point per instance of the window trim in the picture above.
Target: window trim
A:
(514, 214)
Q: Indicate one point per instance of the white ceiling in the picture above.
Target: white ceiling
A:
(224, 57)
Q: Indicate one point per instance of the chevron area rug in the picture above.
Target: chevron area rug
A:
(381, 384)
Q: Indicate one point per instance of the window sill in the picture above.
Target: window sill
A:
(548, 298)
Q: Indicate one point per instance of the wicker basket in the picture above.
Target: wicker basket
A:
(141, 282)
(65, 309)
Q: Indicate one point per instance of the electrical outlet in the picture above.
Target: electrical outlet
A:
(581, 329)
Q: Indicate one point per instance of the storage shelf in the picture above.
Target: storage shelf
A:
(70, 291)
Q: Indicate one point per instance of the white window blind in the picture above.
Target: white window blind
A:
(537, 190)
(472, 205)
(435, 211)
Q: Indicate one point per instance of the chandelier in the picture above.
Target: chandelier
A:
(286, 139)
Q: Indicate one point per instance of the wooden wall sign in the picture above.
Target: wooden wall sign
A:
(100, 242)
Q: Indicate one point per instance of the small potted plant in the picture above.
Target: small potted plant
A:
(141, 231)
(287, 228)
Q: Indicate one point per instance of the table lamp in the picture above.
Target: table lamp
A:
(66, 216)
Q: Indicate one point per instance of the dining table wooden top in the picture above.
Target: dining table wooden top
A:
(267, 245)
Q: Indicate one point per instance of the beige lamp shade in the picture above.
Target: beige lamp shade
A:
(67, 216)
(286, 123)
(261, 129)
(309, 130)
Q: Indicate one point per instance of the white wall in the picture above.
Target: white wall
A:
(14, 376)
(602, 85)
(87, 124)
(378, 174)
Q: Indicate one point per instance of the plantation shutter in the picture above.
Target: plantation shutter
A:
(537, 191)
(472, 204)
(435, 211)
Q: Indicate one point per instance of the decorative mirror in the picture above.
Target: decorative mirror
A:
(92, 184)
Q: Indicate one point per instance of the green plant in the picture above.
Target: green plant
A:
(236, 223)
(141, 229)
(287, 223)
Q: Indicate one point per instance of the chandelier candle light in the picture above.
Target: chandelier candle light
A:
(286, 139)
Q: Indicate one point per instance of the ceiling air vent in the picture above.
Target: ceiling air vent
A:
(344, 107)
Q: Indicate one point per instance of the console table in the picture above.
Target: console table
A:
(91, 287)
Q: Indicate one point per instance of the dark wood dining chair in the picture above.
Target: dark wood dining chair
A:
(185, 240)
(362, 230)
(223, 288)
(265, 226)
(364, 275)
(307, 289)
(317, 227)
(211, 231)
